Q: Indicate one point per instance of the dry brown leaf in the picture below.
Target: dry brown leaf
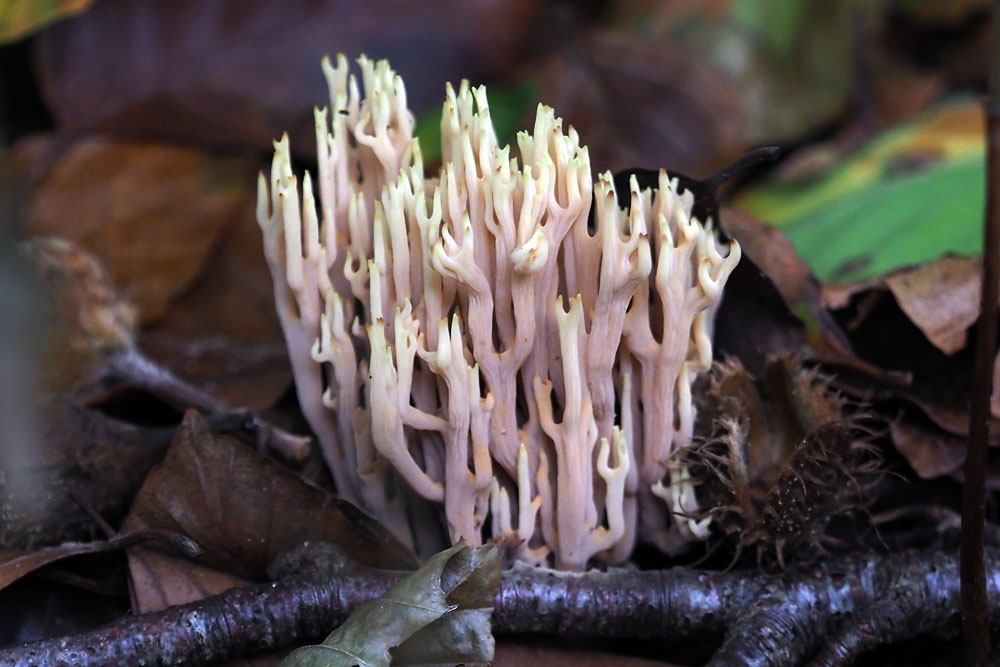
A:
(773, 253)
(753, 324)
(153, 212)
(223, 335)
(244, 510)
(952, 417)
(930, 452)
(209, 292)
(941, 298)
(160, 581)
(755, 319)
(15, 563)
(99, 458)
(917, 319)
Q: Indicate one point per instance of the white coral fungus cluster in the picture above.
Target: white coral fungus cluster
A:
(473, 335)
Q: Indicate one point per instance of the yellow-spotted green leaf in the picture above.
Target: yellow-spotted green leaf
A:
(911, 195)
(18, 18)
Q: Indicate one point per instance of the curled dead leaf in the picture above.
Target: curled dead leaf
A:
(941, 298)
(753, 323)
(930, 452)
(15, 563)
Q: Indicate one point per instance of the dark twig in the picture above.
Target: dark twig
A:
(131, 366)
(975, 627)
(794, 611)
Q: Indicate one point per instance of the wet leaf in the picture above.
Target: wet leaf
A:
(19, 18)
(245, 510)
(152, 212)
(439, 615)
(242, 72)
(910, 196)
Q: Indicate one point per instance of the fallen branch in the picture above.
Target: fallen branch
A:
(845, 611)
(771, 620)
(922, 600)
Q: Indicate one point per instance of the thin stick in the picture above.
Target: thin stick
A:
(975, 621)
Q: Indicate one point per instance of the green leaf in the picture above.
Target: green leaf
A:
(439, 615)
(18, 18)
(911, 195)
(776, 21)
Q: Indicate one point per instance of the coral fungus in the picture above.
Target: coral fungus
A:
(469, 334)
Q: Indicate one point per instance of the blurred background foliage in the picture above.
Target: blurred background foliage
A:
(874, 101)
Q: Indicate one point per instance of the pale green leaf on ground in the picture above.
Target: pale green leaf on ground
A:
(18, 18)
(910, 196)
(439, 615)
